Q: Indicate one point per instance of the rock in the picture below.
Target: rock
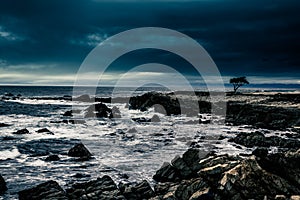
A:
(102, 188)
(79, 150)
(260, 152)
(205, 194)
(155, 118)
(21, 132)
(44, 191)
(295, 197)
(44, 147)
(52, 158)
(99, 110)
(138, 191)
(285, 165)
(9, 94)
(167, 173)
(68, 113)
(116, 113)
(45, 130)
(3, 187)
(132, 130)
(83, 98)
(192, 157)
(280, 197)
(258, 139)
(141, 119)
(248, 180)
(184, 170)
(4, 125)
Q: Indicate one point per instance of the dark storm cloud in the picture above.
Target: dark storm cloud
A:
(259, 38)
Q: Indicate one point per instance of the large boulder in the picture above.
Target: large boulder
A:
(248, 180)
(3, 187)
(79, 150)
(141, 190)
(258, 139)
(46, 191)
(99, 110)
(102, 188)
(21, 132)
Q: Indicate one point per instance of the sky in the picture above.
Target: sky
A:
(45, 42)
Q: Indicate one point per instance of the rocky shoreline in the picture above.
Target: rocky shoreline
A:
(196, 174)
(193, 176)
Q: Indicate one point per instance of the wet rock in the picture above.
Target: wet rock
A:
(79, 175)
(258, 139)
(116, 113)
(167, 173)
(4, 125)
(47, 190)
(79, 150)
(285, 165)
(132, 130)
(102, 188)
(138, 191)
(3, 187)
(68, 113)
(249, 181)
(260, 152)
(99, 110)
(155, 118)
(83, 98)
(141, 119)
(269, 117)
(45, 130)
(192, 157)
(21, 132)
(52, 158)
(182, 167)
(44, 147)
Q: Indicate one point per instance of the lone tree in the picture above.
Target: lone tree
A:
(238, 82)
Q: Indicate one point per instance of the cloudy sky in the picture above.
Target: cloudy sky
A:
(45, 42)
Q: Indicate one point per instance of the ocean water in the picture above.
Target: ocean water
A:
(126, 150)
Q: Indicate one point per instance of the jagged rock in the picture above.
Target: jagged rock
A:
(45, 191)
(141, 119)
(295, 197)
(280, 197)
(68, 113)
(83, 98)
(102, 188)
(21, 132)
(205, 194)
(98, 110)
(248, 180)
(52, 158)
(260, 152)
(285, 165)
(44, 147)
(139, 191)
(4, 125)
(3, 187)
(45, 130)
(192, 157)
(184, 170)
(258, 139)
(167, 173)
(155, 118)
(132, 130)
(116, 113)
(79, 150)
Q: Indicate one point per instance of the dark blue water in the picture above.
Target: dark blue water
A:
(59, 91)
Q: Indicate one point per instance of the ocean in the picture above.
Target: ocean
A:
(124, 149)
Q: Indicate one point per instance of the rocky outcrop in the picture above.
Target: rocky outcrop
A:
(167, 104)
(269, 117)
(79, 150)
(45, 191)
(21, 132)
(102, 188)
(100, 110)
(3, 187)
(195, 176)
(45, 130)
(258, 139)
